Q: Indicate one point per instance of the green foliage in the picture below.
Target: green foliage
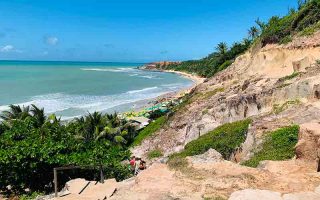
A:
(149, 130)
(31, 146)
(310, 30)
(278, 108)
(281, 29)
(304, 21)
(31, 196)
(289, 77)
(225, 139)
(278, 145)
(215, 62)
(155, 154)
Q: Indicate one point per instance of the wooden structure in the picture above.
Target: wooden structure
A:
(57, 169)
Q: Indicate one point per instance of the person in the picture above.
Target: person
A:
(143, 165)
(133, 164)
(137, 169)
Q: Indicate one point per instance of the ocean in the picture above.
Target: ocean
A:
(72, 89)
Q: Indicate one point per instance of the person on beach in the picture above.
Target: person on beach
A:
(133, 164)
(137, 170)
(143, 165)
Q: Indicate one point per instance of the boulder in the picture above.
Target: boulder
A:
(208, 157)
(251, 194)
(308, 146)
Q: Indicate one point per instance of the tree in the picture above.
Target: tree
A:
(222, 48)
(253, 32)
(261, 24)
(15, 112)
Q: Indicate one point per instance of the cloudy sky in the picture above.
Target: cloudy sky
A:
(126, 30)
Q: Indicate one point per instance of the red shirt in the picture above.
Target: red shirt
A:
(132, 162)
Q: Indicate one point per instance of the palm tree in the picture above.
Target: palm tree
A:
(253, 32)
(222, 48)
(261, 24)
(38, 115)
(15, 112)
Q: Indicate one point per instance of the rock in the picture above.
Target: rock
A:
(302, 196)
(210, 156)
(86, 190)
(76, 185)
(317, 190)
(251, 194)
(308, 147)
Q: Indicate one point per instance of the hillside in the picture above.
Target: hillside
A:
(276, 86)
(278, 30)
(250, 130)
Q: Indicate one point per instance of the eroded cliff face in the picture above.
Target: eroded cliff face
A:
(271, 85)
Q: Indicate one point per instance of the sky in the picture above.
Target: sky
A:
(126, 30)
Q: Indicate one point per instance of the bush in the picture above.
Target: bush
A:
(225, 139)
(278, 145)
(155, 154)
(149, 130)
(289, 77)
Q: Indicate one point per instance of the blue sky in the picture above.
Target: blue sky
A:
(126, 30)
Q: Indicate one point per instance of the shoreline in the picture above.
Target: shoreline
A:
(170, 96)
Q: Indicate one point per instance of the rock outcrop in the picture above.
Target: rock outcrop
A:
(257, 85)
(308, 147)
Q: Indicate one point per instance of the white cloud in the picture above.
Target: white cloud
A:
(7, 48)
(51, 40)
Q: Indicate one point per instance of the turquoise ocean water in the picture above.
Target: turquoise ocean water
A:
(71, 89)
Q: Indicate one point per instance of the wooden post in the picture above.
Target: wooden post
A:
(101, 175)
(55, 178)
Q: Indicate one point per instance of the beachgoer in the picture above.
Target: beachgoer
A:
(143, 165)
(133, 164)
(137, 170)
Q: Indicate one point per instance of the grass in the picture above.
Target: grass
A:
(225, 139)
(278, 145)
(289, 77)
(286, 39)
(318, 62)
(209, 94)
(155, 154)
(149, 130)
(277, 108)
(310, 30)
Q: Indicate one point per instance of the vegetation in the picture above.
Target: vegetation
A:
(289, 77)
(303, 21)
(225, 139)
(149, 130)
(278, 108)
(278, 145)
(215, 62)
(155, 154)
(32, 144)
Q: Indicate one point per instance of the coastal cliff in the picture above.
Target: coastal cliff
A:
(276, 86)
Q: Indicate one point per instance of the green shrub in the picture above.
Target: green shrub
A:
(289, 77)
(225, 139)
(286, 39)
(277, 108)
(278, 145)
(155, 154)
(149, 130)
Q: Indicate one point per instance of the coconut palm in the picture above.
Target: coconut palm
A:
(16, 112)
(253, 32)
(38, 116)
(222, 48)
